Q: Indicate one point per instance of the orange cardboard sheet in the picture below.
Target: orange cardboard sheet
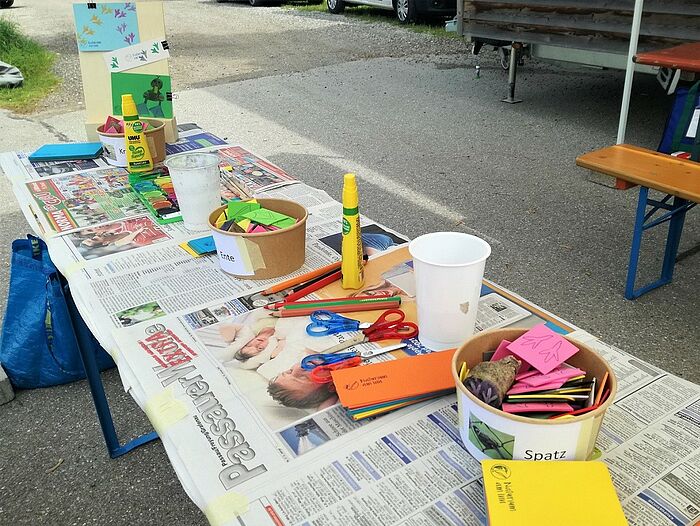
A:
(393, 380)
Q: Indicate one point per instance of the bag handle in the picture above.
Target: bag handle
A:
(36, 247)
(684, 121)
(48, 329)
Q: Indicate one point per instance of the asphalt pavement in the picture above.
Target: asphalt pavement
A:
(434, 149)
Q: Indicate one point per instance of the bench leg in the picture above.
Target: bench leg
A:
(675, 229)
(636, 242)
(675, 215)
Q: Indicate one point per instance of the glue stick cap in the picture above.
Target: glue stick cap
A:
(350, 197)
(128, 106)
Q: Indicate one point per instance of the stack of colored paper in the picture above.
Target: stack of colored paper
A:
(249, 217)
(374, 389)
(199, 247)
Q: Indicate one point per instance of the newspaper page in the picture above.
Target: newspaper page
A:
(251, 172)
(85, 199)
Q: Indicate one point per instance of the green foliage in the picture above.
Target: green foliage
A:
(33, 60)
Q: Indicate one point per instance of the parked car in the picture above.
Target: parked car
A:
(6, 3)
(406, 10)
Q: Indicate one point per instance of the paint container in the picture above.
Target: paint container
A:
(263, 255)
(448, 267)
(115, 149)
(488, 432)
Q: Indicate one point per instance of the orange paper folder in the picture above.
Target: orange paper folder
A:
(393, 380)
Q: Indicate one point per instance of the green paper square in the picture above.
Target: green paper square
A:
(264, 216)
(236, 209)
(284, 223)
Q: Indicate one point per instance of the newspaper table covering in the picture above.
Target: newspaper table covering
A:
(254, 443)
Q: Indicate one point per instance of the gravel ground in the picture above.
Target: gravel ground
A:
(251, 42)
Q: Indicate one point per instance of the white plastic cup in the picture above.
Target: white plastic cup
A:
(448, 268)
(196, 179)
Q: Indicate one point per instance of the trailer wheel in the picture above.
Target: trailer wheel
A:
(6, 3)
(335, 6)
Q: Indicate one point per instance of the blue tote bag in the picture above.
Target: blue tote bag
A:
(37, 343)
(682, 133)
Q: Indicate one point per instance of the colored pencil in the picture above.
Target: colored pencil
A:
(323, 304)
(602, 386)
(280, 304)
(286, 313)
(293, 282)
(313, 287)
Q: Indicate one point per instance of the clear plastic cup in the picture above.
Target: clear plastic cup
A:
(196, 179)
(448, 267)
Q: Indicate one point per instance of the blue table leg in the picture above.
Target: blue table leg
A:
(86, 347)
(636, 242)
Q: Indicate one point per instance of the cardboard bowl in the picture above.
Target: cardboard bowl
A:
(267, 254)
(488, 432)
(114, 145)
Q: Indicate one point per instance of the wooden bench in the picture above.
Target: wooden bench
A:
(678, 178)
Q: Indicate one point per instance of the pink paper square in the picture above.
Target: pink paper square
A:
(561, 373)
(502, 351)
(542, 348)
(537, 407)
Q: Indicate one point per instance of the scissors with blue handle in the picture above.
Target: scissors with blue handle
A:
(389, 326)
(324, 322)
(321, 365)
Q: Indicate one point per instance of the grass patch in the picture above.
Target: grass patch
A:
(35, 63)
(367, 13)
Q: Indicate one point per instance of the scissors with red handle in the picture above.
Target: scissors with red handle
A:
(321, 365)
(391, 325)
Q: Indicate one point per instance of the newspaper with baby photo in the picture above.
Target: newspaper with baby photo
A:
(255, 442)
(252, 423)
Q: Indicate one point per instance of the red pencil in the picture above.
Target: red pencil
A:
(314, 287)
(287, 313)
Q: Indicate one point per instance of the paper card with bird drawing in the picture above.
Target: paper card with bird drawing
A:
(105, 27)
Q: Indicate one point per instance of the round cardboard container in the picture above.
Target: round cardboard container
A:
(488, 432)
(267, 254)
(115, 148)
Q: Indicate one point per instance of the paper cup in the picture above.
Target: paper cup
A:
(488, 432)
(267, 254)
(448, 267)
(196, 179)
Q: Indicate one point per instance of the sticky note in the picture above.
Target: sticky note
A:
(238, 208)
(537, 407)
(542, 348)
(502, 351)
(265, 216)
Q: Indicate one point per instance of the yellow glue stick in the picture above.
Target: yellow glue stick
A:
(138, 155)
(351, 250)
